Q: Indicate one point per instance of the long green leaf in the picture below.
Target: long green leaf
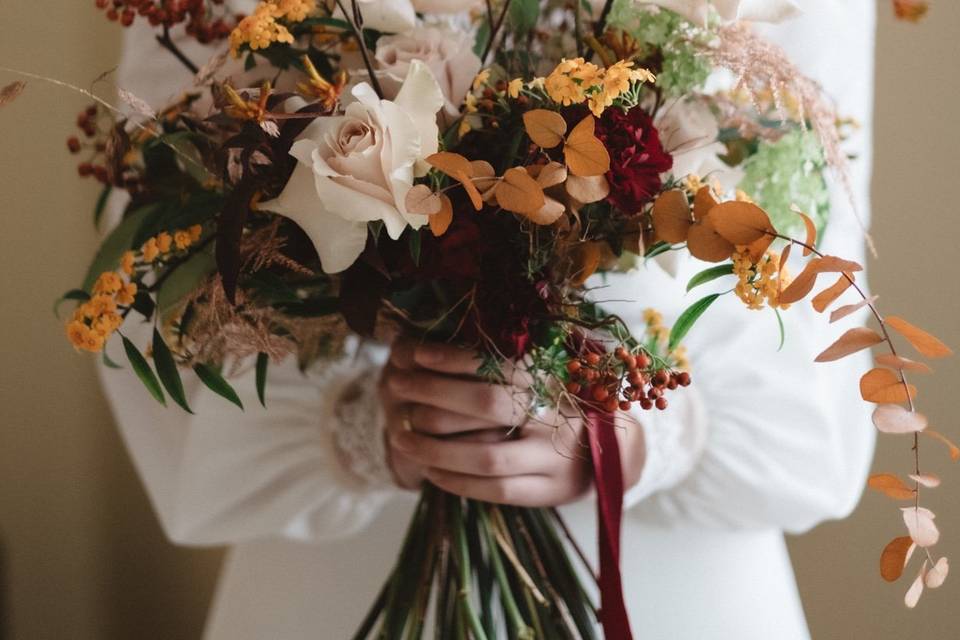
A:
(263, 361)
(168, 372)
(215, 382)
(524, 15)
(688, 318)
(143, 370)
(108, 361)
(184, 280)
(101, 205)
(119, 240)
(783, 332)
(709, 275)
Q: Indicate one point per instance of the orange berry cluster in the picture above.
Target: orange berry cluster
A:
(200, 22)
(618, 380)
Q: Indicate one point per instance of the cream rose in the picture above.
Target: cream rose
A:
(444, 6)
(689, 131)
(756, 10)
(358, 167)
(390, 16)
(449, 55)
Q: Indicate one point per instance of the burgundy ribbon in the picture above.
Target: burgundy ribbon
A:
(608, 477)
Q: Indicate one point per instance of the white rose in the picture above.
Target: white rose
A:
(689, 131)
(756, 10)
(391, 16)
(358, 167)
(449, 55)
(444, 6)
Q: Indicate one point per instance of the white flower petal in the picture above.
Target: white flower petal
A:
(338, 242)
(421, 98)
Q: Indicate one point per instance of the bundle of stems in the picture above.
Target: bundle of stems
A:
(471, 570)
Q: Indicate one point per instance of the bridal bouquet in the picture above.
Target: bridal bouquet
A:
(462, 172)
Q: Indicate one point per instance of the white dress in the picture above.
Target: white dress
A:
(762, 442)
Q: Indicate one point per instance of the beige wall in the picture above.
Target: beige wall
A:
(81, 556)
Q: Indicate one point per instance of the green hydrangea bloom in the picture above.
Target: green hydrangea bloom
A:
(684, 69)
(789, 172)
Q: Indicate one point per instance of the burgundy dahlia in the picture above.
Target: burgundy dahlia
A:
(637, 157)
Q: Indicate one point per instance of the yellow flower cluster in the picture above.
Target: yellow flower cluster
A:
(96, 319)
(577, 81)
(261, 29)
(759, 282)
(162, 244)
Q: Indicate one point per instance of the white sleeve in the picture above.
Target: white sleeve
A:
(222, 475)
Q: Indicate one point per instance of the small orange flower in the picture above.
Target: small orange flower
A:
(127, 294)
(109, 282)
(127, 262)
(150, 250)
(196, 231)
(181, 239)
(164, 242)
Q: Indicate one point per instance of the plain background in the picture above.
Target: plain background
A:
(81, 555)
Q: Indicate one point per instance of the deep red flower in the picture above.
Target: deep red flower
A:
(637, 157)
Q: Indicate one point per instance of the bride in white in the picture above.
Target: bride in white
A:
(763, 443)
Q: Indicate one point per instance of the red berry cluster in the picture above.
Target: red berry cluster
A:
(619, 381)
(93, 140)
(200, 22)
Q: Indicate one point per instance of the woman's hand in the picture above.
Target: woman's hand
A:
(479, 440)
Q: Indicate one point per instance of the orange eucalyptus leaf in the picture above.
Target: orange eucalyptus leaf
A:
(520, 193)
(740, 223)
(892, 418)
(549, 213)
(671, 216)
(704, 243)
(475, 197)
(549, 175)
(811, 240)
(802, 284)
(854, 340)
(936, 435)
(703, 202)
(450, 164)
(587, 261)
(884, 387)
(893, 559)
(899, 362)
(440, 221)
(589, 189)
(843, 312)
(584, 153)
(922, 341)
(891, 486)
(833, 264)
(910, 10)
(828, 296)
(546, 128)
(421, 200)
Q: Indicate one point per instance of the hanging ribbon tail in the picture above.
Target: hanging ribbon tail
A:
(608, 477)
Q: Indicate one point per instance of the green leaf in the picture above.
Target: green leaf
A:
(524, 15)
(263, 360)
(783, 333)
(483, 34)
(143, 370)
(185, 278)
(119, 241)
(74, 294)
(101, 205)
(415, 246)
(657, 249)
(688, 318)
(167, 369)
(108, 361)
(708, 275)
(215, 382)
